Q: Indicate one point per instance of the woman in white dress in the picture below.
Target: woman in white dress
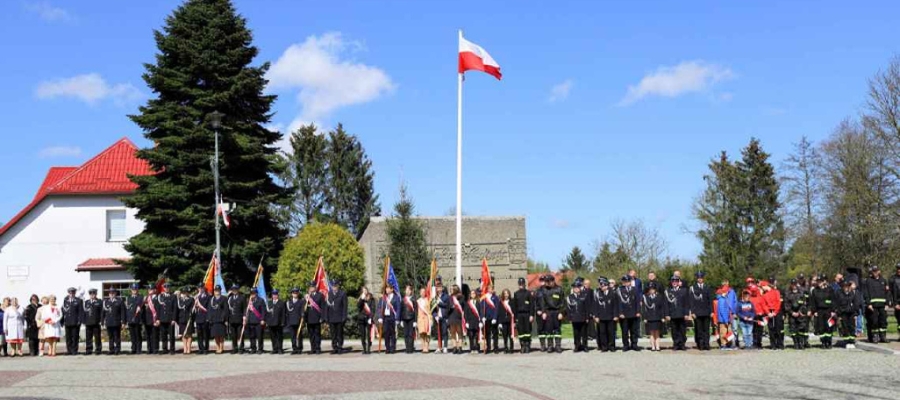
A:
(14, 327)
(48, 317)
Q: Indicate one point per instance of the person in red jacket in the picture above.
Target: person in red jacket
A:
(762, 310)
(776, 318)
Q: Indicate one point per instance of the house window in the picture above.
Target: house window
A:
(115, 226)
(121, 286)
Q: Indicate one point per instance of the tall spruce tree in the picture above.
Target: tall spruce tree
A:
(204, 64)
(576, 261)
(306, 168)
(762, 223)
(407, 245)
(351, 195)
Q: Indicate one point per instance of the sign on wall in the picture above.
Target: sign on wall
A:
(17, 272)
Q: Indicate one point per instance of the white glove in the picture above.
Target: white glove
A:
(480, 325)
(401, 324)
(494, 321)
(380, 320)
(483, 320)
(414, 324)
(467, 325)
(369, 322)
(500, 326)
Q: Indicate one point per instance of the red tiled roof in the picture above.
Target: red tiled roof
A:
(99, 264)
(534, 280)
(106, 173)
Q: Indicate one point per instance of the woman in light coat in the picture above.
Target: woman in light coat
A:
(14, 327)
(48, 319)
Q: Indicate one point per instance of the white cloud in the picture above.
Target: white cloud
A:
(560, 91)
(674, 81)
(59, 151)
(48, 12)
(559, 223)
(89, 88)
(324, 78)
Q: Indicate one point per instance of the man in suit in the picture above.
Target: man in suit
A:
(165, 310)
(134, 305)
(295, 308)
(336, 312)
(275, 314)
(113, 318)
(201, 318)
(237, 308)
(700, 299)
(72, 317)
(315, 316)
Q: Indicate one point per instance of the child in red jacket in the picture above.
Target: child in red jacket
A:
(761, 309)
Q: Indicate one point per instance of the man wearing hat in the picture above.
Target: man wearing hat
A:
(440, 314)
(201, 318)
(134, 318)
(275, 313)
(823, 302)
(677, 303)
(93, 317)
(113, 317)
(629, 305)
(294, 308)
(523, 304)
(539, 309)
(577, 311)
(336, 312)
(237, 309)
(797, 310)
(894, 284)
(551, 307)
(151, 320)
(218, 318)
(255, 321)
(315, 316)
(72, 318)
(846, 307)
(605, 311)
(875, 293)
(166, 312)
(700, 304)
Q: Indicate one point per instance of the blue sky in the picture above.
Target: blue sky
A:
(606, 109)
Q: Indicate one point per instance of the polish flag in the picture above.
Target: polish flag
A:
(220, 210)
(474, 57)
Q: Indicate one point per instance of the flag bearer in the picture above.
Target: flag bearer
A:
(134, 317)
(315, 316)
(408, 320)
(256, 321)
(294, 311)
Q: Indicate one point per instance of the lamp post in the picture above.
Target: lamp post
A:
(215, 121)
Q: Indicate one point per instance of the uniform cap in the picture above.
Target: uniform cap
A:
(700, 274)
(626, 278)
(253, 290)
(312, 284)
(92, 291)
(235, 287)
(113, 290)
(602, 280)
(793, 281)
(675, 278)
(438, 279)
(71, 290)
(521, 281)
(135, 286)
(550, 278)
(274, 291)
(218, 287)
(295, 290)
(578, 283)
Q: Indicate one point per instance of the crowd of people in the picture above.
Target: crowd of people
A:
(731, 317)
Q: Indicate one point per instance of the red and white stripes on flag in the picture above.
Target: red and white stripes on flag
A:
(222, 212)
(474, 57)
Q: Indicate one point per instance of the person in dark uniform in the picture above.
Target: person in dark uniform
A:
(72, 318)
(185, 312)
(700, 304)
(489, 307)
(577, 311)
(167, 312)
(388, 308)
(31, 328)
(256, 321)
(846, 307)
(408, 313)
(201, 319)
(365, 316)
(315, 316)
(506, 319)
(822, 303)
(456, 318)
(134, 304)
(295, 308)
(275, 316)
(590, 328)
(113, 317)
(93, 317)
(795, 308)
(218, 318)
(237, 310)
(875, 293)
(676, 297)
(629, 313)
(440, 314)
(551, 305)
(539, 308)
(151, 320)
(336, 311)
(894, 284)
(473, 322)
(654, 310)
(605, 311)
(523, 306)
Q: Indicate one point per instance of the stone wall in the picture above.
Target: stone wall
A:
(500, 239)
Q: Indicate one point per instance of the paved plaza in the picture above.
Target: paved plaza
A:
(810, 374)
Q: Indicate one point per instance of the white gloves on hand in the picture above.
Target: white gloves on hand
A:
(380, 320)
(494, 321)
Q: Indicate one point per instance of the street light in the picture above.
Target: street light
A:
(215, 119)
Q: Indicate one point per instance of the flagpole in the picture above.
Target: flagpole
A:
(459, 174)
(216, 123)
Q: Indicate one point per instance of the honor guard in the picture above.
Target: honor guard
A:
(315, 316)
(523, 301)
(822, 304)
(336, 311)
(676, 297)
(135, 318)
(577, 311)
(408, 313)
(875, 292)
(151, 321)
(93, 317)
(387, 317)
(295, 308)
(700, 304)
(72, 318)
(440, 314)
(113, 317)
(489, 306)
(275, 316)
(605, 311)
(552, 304)
(201, 319)
(255, 321)
(629, 313)
(166, 312)
(473, 322)
(237, 309)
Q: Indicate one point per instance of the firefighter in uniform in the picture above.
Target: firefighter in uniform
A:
(93, 316)
(551, 305)
(875, 293)
(336, 313)
(133, 316)
(796, 309)
(113, 318)
(294, 310)
(202, 319)
(605, 311)
(700, 299)
(577, 311)
(72, 317)
(523, 301)
(822, 305)
(151, 321)
(237, 306)
(315, 316)
(166, 311)
(275, 313)
(629, 313)
(255, 321)
(847, 307)
(539, 307)
(677, 304)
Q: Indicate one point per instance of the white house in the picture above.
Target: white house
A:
(74, 228)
